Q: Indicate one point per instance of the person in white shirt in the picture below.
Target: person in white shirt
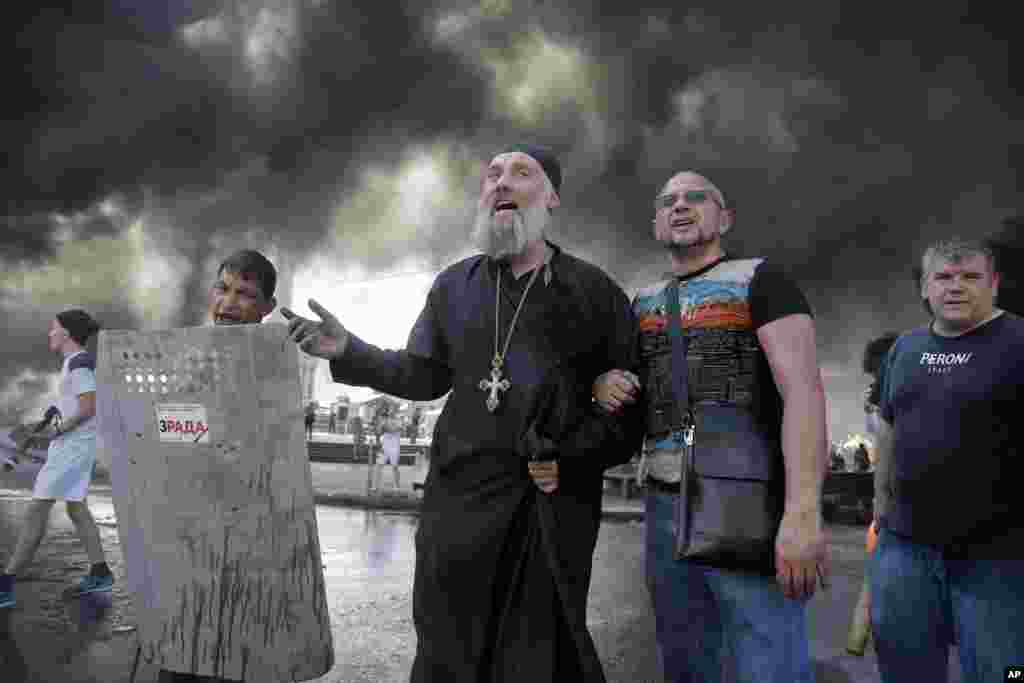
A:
(70, 459)
(390, 445)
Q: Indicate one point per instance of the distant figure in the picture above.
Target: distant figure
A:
(310, 419)
(414, 424)
(390, 446)
(874, 356)
(861, 461)
(332, 422)
(836, 462)
(1007, 245)
(358, 434)
(70, 460)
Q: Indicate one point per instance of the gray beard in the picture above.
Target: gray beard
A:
(500, 239)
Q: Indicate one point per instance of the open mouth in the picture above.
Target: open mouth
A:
(227, 320)
(504, 205)
(682, 222)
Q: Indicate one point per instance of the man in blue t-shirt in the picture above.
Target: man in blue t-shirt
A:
(950, 557)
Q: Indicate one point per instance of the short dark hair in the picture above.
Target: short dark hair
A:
(79, 324)
(252, 265)
(1007, 244)
(874, 352)
(874, 356)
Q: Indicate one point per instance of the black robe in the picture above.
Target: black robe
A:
(502, 569)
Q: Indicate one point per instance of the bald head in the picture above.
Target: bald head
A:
(694, 179)
(690, 213)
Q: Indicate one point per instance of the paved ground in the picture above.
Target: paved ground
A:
(50, 638)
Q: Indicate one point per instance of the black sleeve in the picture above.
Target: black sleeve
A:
(600, 441)
(398, 373)
(774, 295)
(420, 372)
(426, 339)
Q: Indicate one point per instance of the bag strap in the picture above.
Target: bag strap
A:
(681, 387)
(680, 345)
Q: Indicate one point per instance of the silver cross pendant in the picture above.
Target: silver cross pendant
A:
(494, 385)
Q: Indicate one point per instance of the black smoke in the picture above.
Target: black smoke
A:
(848, 135)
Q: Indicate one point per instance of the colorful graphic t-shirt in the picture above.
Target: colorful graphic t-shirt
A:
(954, 404)
(721, 309)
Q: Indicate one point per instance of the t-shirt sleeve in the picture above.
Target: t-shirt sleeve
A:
(774, 295)
(884, 385)
(82, 381)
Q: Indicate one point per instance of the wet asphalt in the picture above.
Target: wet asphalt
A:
(369, 558)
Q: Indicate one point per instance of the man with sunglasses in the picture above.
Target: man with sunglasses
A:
(751, 347)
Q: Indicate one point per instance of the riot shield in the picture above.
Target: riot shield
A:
(202, 431)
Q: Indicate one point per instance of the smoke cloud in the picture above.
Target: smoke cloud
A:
(146, 140)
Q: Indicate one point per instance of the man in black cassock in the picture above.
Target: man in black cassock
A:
(512, 500)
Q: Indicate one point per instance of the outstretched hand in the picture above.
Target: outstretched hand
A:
(327, 338)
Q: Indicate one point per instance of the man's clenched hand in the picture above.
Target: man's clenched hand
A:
(801, 555)
(544, 475)
(325, 339)
(615, 389)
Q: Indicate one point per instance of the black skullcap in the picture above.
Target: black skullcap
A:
(79, 324)
(546, 158)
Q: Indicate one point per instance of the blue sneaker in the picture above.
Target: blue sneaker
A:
(7, 599)
(95, 584)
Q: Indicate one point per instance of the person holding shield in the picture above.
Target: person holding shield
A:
(242, 294)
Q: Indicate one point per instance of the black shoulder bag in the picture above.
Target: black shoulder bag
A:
(732, 488)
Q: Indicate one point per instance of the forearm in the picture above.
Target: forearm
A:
(883, 469)
(805, 450)
(606, 440)
(397, 373)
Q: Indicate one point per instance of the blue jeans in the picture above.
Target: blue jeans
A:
(919, 600)
(702, 613)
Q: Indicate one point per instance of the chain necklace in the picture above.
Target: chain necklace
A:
(496, 383)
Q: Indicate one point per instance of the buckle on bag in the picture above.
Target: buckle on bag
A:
(684, 435)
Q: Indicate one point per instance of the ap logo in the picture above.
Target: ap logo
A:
(1015, 673)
